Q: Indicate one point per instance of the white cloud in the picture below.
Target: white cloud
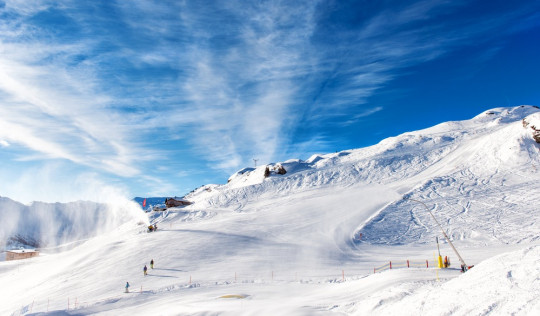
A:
(49, 113)
(243, 95)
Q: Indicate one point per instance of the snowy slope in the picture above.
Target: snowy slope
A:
(306, 242)
(483, 190)
(469, 171)
(507, 284)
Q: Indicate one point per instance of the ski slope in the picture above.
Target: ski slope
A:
(306, 242)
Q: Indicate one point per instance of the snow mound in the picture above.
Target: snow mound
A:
(507, 284)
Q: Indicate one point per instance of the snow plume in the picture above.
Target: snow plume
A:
(52, 224)
(55, 222)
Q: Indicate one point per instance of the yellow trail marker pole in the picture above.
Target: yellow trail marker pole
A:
(439, 258)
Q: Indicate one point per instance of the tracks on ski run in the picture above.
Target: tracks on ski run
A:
(468, 206)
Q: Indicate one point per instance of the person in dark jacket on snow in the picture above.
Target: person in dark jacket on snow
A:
(145, 269)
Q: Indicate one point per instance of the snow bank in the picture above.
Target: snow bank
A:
(507, 284)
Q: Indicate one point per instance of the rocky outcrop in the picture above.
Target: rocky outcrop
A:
(535, 130)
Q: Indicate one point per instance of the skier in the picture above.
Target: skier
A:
(145, 269)
(152, 263)
(127, 287)
(446, 261)
(155, 226)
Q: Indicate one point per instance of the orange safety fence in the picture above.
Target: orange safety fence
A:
(403, 264)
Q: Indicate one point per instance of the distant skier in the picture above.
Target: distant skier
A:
(155, 226)
(446, 261)
(127, 287)
(152, 263)
(145, 269)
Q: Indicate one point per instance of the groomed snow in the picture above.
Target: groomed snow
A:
(307, 242)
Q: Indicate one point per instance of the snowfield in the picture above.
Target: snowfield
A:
(307, 242)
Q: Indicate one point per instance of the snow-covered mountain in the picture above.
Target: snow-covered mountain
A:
(470, 172)
(303, 237)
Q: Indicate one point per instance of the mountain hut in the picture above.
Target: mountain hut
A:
(170, 202)
(19, 254)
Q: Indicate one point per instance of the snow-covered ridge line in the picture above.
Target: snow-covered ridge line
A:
(404, 156)
(468, 171)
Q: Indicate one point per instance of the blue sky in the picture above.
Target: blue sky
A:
(155, 98)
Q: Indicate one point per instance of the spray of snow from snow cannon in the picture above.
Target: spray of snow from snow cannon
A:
(41, 224)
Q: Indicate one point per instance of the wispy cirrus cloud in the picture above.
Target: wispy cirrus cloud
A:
(54, 101)
(51, 110)
(243, 62)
